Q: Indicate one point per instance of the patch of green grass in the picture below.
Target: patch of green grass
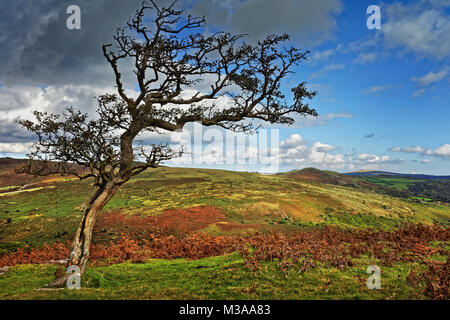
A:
(10, 247)
(396, 183)
(421, 199)
(221, 277)
(24, 279)
(8, 188)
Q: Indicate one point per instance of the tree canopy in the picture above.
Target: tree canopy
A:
(170, 54)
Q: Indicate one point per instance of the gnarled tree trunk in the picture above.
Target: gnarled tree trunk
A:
(79, 251)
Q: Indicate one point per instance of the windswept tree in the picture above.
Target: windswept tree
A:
(169, 53)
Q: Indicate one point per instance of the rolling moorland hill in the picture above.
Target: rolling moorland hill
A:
(219, 202)
(381, 174)
(7, 175)
(420, 187)
(205, 215)
(330, 177)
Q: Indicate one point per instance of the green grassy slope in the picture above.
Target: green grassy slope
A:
(212, 278)
(51, 212)
(247, 202)
(396, 183)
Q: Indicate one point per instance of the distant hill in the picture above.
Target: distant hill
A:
(436, 188)
(418, 186)
(414, 186)
(8, 176)
(330, 177)
(385, 174)
(214, 201)
(6, 162)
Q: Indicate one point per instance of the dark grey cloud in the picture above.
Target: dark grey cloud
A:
(10, 132)
(37, 48)
(370, 135)
(45, 66)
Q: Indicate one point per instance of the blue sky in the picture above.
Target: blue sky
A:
(383, 94)
(387, 107)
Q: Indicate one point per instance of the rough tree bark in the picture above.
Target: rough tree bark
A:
(79, 250)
